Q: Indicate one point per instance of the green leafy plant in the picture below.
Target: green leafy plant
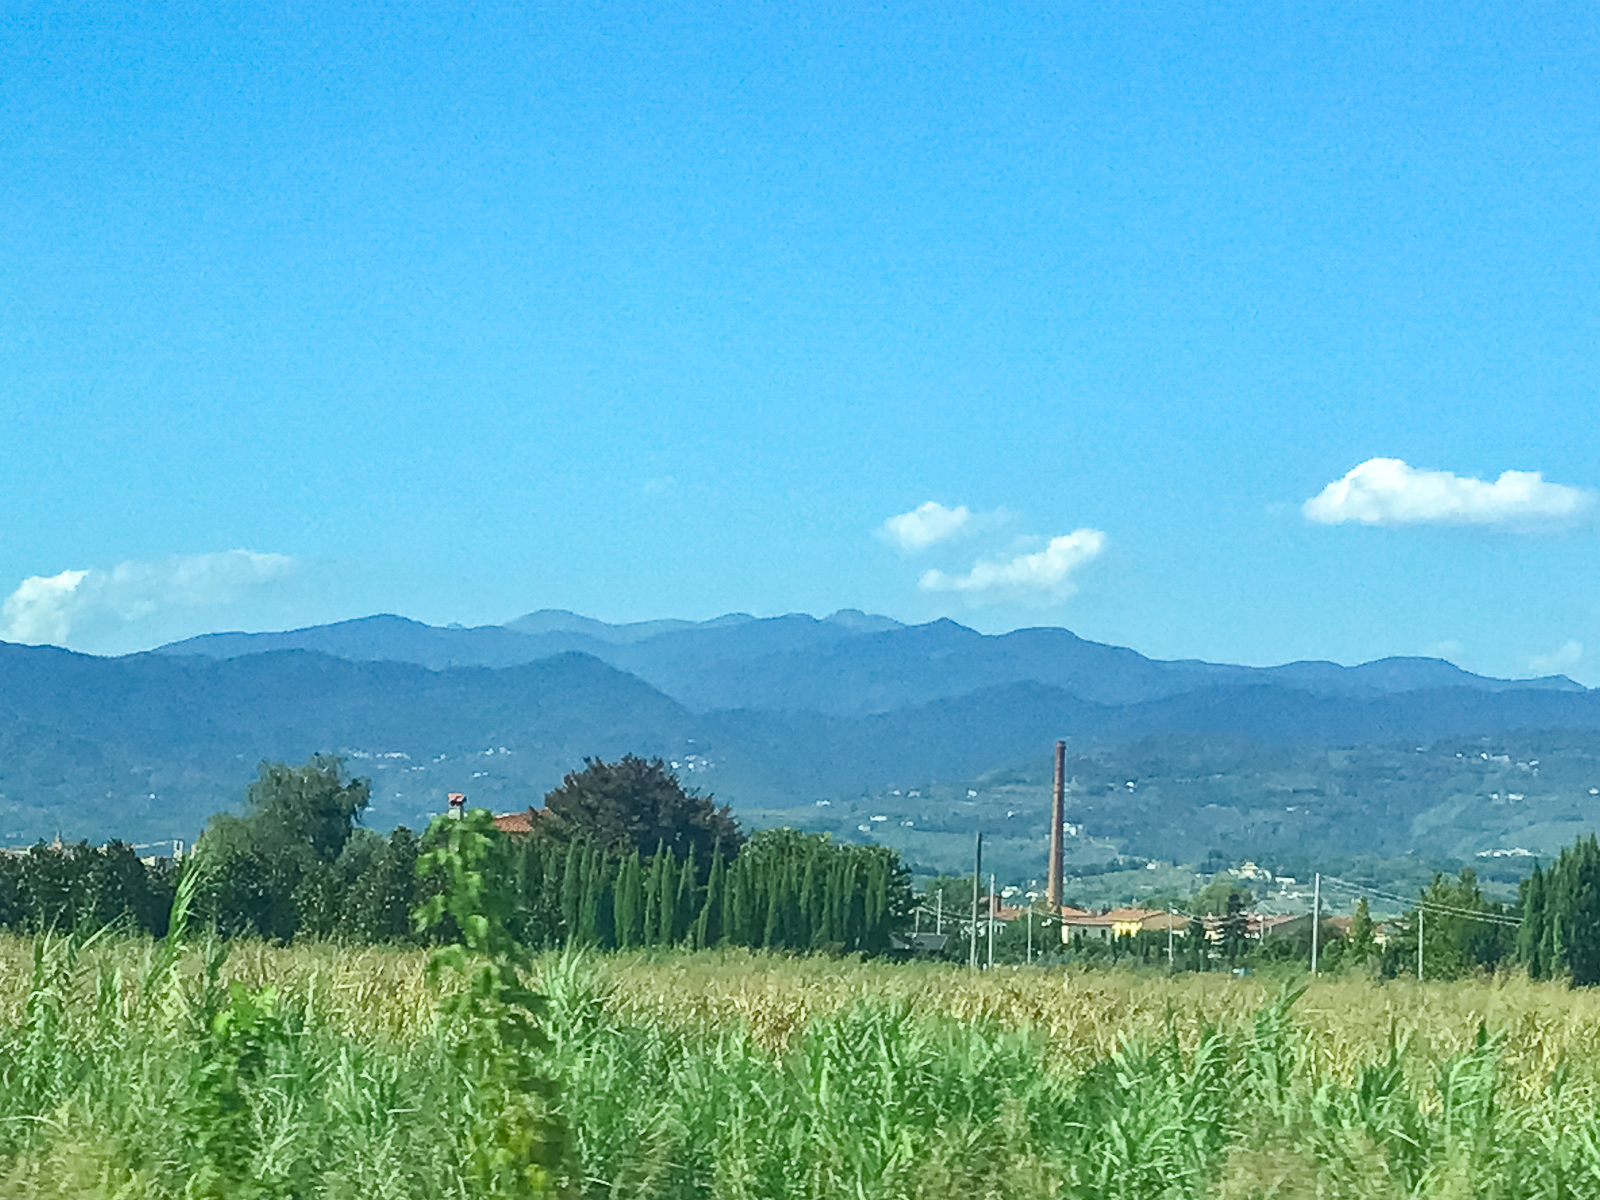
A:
(513, 1145)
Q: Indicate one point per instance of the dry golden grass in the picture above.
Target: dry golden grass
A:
(1083, 1015)
(1086, 1015)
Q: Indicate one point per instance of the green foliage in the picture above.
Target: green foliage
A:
(84, 887)
(231, 1065)
(1560, 932)
(909, 1090)
(1363, 933)
(1455, 945)
(492, 1018)
(1221, 896)
(637, 803)
(297, 866)
(859, 894)
(273, 871)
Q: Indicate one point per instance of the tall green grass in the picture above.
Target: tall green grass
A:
(131, 1071)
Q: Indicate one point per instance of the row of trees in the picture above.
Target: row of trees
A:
(621, 857)
(1560, 931)
(784, 890)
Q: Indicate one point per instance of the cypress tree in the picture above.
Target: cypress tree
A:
(667, 900)
(1530, 936)
(683, 906)
(550, 896)
(875, 904)
(630, 903)
(652, 896)
(572, 894)
(810, 932)
(1583, 914)
(850, 906)
(833, 907)
(772, 930)
(708, 931)
(605, 905)
(733, 905)
(794, 937)
(594, 883)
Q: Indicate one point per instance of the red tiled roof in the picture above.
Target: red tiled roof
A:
(516, 822)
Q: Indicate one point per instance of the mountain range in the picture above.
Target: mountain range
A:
(766, 713)
(849, 664)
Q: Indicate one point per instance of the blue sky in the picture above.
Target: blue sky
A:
(314, 310)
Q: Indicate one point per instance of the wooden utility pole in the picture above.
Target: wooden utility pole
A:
(977, 874)
(1316, 919)
(990, 926)
(1052, 887)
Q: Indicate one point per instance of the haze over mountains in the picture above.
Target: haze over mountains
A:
(764, 712)
(844, 665)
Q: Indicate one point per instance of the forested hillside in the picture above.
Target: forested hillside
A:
(1261, 761)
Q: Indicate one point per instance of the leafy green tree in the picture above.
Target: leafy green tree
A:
(1363, 935)
(376, 905)
(1222, 895)
(638, 803)
(271, 868)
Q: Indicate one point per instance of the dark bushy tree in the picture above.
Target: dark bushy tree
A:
(638, 804)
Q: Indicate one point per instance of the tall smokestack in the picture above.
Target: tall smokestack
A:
(1052, 889)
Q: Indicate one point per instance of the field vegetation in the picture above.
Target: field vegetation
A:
(320, 1014)
(319, 1070)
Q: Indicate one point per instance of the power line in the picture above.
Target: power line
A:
(1433, 906)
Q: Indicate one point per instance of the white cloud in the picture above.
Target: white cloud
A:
(53, 608)
(1564, 659)
(1044, 577)
(926, 525)
(1386, 491)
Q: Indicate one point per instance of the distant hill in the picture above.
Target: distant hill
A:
(845, 665)
(146, 746)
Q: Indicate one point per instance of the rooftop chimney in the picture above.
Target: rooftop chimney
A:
(458, 804)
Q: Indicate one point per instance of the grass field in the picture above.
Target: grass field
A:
(738, 1076)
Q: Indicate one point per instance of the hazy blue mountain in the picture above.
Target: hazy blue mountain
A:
(146, 746)
(847, 664)
(388, 638)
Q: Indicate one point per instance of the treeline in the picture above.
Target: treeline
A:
(1560, 932)
(79, 886)
(784, 890)
(297, 865)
